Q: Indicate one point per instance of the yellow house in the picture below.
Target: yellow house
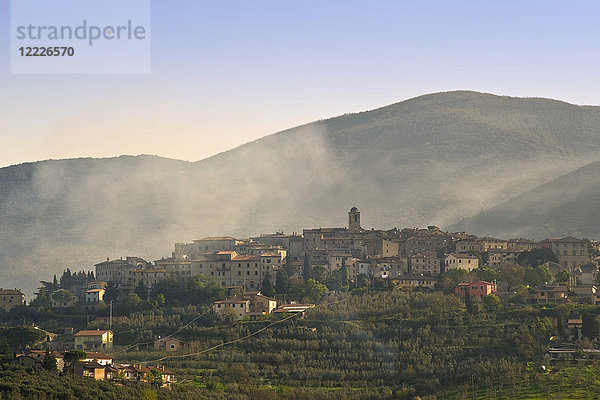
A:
(93, 340)
(463, 261)
(240, 307)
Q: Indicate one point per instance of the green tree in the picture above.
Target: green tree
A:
(172, 291)
(591, 327)
(111, 292)
(63, 296)
(521, 295)
(318, 273)
(535, 257)
(363, 281)
(200, 289)
(66, 280)
(281, 281)
(491, 303)
(562, 277)
(469, 301)
(42, 300)
(160, 300)
(49, 361)
(267, 287)
(314, 290)
(72, 356)
(141, 290)
(21, 337)
(148, 394)
(486, 274)
(511, 275)
(306, 270)
(132, 301)
(344, 274)
(6, 353)
(334, 281)
(154, 376)
(453, 277)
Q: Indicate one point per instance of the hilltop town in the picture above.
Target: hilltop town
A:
(274, 277)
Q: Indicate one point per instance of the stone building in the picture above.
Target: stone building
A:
(426, 263)
(463, 261)
(571, 252)
(10, 298)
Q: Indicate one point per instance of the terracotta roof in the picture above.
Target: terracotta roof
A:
(415, 277)
(11, 292)
(245, 258)
(91, 364)
(489, 238)
(42, 353)
(97, 356)
(138, 368)
(164, 370)
(94, 290)
(476, 283)
(112, 262)
(92, 333)
(551, 288)
(568, 239)
(232, 301)
(259, 295)
(459, 255)
(216, 238)
(522, 240)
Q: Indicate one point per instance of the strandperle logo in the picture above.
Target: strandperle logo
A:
(80, 36)
(85, 32)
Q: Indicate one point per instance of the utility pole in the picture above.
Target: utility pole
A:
(473, 385)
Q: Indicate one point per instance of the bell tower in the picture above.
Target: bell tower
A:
(354, 220)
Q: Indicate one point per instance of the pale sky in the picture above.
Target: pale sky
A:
(228, 72)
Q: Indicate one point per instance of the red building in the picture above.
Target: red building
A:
(477, 289)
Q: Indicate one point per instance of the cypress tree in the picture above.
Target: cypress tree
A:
(281, 281)
(267, 287)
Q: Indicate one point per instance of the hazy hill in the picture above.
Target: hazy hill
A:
(568, 205)
(434, 159)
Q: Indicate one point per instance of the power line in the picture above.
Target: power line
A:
(224, 343)
(236, 340)
(172, 334)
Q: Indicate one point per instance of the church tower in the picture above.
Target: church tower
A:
(354, 220)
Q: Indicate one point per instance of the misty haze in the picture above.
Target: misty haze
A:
(432, 160)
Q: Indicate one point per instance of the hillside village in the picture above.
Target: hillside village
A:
(407, 258)
(252, 278)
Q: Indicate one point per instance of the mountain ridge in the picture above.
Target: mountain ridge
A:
(561, 207)
(431, 160)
